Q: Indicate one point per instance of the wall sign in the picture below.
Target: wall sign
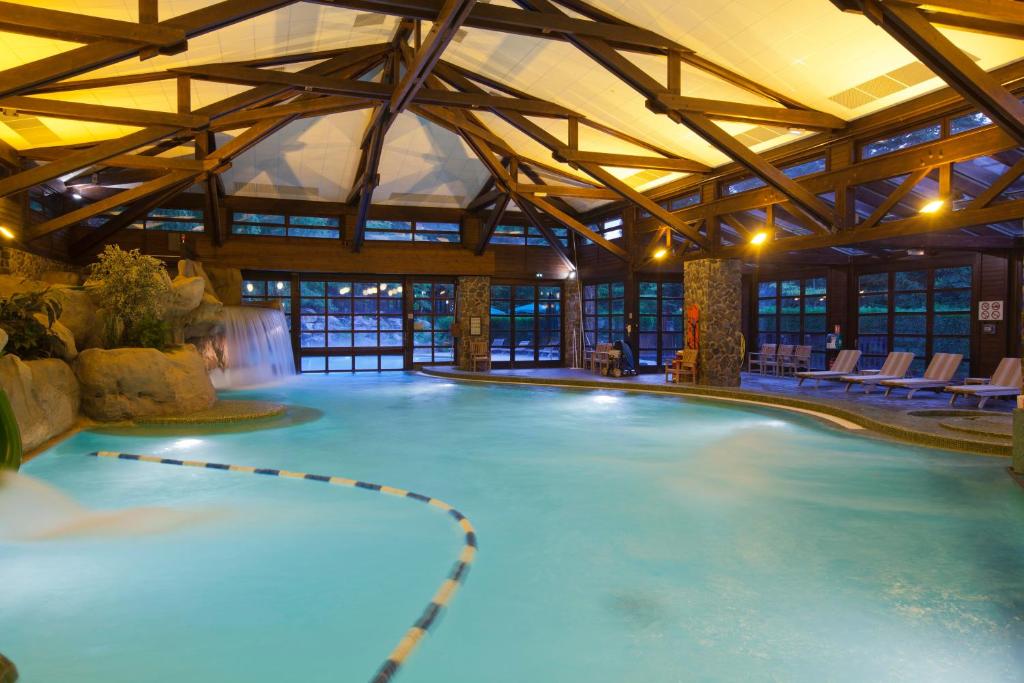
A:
(474, 327)
(990, 310)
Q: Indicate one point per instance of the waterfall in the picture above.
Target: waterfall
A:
(257, 348)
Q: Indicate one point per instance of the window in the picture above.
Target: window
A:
(962, 124)
(794, 312)
(348, 326)
(604, 313)
(526, 323)
(433, 307)
(412, 231)
(895, 143)
(264, 291)
(172, 220)
(271, 225)
(527, 235)
(686, 200)
(661, 321)
(609, 228)
(923, 311)
(804, 168)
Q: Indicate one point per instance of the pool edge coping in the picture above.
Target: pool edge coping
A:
(837, 418)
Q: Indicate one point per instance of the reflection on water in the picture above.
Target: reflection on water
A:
(33, 511)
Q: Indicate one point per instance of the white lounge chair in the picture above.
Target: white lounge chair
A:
(1006, 381)
(844, 364)
(895, 367)
(938, 375)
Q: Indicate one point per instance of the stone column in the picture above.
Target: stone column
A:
(472, 300)
(1017, 464)
(714, 286)
(573, 332)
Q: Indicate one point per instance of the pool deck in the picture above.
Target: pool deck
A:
(984, 432)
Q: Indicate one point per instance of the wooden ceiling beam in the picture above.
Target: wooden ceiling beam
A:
(241, 75)
(127, 161)
(100, 113)
(574, 225)
(83, 28)
(20, 79)
(749, 113)
(894, 197)
(910, 27)
(535, 219)
(573, 156)
(996, 187)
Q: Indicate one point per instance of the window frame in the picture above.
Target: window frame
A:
(513, 356)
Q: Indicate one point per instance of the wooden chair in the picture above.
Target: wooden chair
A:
(685, 362)
(479, 354)
(765, 358)
(799, 360)
(784, 351)
(600, 359)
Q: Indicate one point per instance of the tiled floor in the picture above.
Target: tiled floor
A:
(896, 410)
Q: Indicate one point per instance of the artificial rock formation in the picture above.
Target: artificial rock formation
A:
(122, 384)
(44, 395)
(473, 300)
(715, 287)
(78, 312)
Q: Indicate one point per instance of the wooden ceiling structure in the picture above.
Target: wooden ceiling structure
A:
(414, 77)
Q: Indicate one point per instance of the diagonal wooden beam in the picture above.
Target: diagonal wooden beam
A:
(82, 28)
(908, 184)
(485, 198)
(567, 191)
(453, 13)
(19, 79)
(100, 113)
(997, 186)
(574, 225)
(911, 29)
(108, 203)
(86, 245)
(493, 219)
(531, 213)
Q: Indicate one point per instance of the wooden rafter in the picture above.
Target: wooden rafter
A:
(100, 113)
(493, 219)
(535, 219)
(82, 28)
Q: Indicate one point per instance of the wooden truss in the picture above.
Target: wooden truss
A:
(415, 78)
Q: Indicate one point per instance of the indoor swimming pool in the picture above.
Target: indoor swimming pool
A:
(622, 538)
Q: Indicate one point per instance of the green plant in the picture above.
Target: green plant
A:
(150, 332)
(27, 336)
(132, 289)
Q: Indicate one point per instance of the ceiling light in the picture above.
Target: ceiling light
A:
(796, 131)
(571, 275)
(661, 253)
(280, 285)
(759, 238)
(540, 275)
(933, 206)
(6, 232)
(248, 287)
(915, 252)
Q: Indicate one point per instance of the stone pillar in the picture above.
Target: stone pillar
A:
(573, 332)
(714, 286)
(472, 300)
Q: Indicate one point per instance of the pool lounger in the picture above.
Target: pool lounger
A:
(1005, 381)
(844, 364)
(895, 367)
(938, 375)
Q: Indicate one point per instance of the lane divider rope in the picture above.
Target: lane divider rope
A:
(441, 598)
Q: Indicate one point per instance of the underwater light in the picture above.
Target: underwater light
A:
(759, 238)
(6, 232)
(933, 206)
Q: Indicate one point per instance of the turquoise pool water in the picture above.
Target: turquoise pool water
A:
(622, 538)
